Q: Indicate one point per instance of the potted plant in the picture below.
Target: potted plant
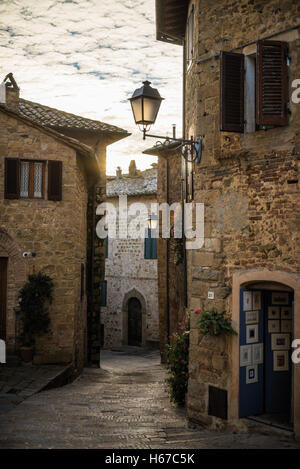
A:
(35, 296)
(214, 323)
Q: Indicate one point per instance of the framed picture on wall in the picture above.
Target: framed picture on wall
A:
(280, 298)
(258, 354)
(273, 326)
(280, 360)
(251, 317)
(247, 300)
(245, 355)
(286, 312)
(252, 334)
(273, 312)
(251, 374)
(256, 300)
(280, 341)
(286, 325)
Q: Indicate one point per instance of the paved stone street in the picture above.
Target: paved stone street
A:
(123, 405)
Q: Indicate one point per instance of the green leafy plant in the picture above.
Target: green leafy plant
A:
(34, 297)
(213, 323)
(177, 354)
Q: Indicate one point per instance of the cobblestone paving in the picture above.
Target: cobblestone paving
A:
(123, 405)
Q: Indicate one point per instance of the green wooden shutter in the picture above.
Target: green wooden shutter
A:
(12, 178)
(54, 180)
(272, 86)
(232, 92)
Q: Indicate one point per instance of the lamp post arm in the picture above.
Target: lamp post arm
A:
(168, 138)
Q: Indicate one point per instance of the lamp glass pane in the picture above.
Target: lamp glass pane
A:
(136, 105)
(151, 107)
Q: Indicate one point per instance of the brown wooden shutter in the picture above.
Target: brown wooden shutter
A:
(232, 92)
(12, 178)
(54, 180)
(271, 77)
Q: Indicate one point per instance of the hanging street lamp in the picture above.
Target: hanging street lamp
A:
(145, 103)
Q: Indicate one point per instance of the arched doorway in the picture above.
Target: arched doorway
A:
(134, 322)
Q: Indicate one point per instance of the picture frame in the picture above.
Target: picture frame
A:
(251, 317)
(256, 300)
(245, 355)
(251, 374)
(280, 360)
(273, 326)
(257, 354)
(286, 326)
(247, 300)
(280, 341)
(252, 334)
(273, 312)
(286, 312)
(280, 298)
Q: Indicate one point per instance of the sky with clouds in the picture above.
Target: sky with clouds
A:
(87, 57)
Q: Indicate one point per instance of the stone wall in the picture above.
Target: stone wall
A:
(128, 273)
(248, 182)
(56, 231)
(171, 286)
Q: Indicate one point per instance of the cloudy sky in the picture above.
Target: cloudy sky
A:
(87, 57)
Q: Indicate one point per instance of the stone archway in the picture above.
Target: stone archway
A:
(133, 293)
(17, 271)
(285, 279)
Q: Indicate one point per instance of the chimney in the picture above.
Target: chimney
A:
(132, 169)
(12, 92)
(119, 173)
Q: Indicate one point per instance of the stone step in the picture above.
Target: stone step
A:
(12, 361)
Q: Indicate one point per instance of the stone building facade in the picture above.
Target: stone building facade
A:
(130, 292)
(52, 173)
(172, 283)
(241, 60)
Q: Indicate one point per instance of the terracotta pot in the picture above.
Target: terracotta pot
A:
(26, 354)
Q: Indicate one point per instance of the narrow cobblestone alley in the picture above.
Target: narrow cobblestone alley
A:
(123, 405)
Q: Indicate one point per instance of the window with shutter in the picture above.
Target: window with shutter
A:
(150, 251)
(232, 92)
(12, 178)
(54, 180)
(271, 77)
(103, 293)
(32, 179)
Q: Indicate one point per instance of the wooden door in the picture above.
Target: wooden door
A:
(134, 322)
(3, 295)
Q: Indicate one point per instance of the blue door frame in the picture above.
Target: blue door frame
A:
(265, 377)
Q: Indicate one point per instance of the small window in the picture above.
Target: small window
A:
(190, 38)
(106, 246)
(103, 293)
(31, 179)
(150, 244)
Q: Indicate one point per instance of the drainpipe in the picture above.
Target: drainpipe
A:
(183, 186)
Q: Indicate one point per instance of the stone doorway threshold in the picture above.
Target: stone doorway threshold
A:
(280, 421)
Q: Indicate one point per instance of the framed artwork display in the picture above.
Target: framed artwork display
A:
(286, 325)
(273, 312)
(251, 374)
(252, 334)
(280, 298)
(256, 300)
(280, 360)
(245, 355)
(257, 354)
(280, 341)
(286, 312)
(251, 317)
(273, 325)
(247, 300)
